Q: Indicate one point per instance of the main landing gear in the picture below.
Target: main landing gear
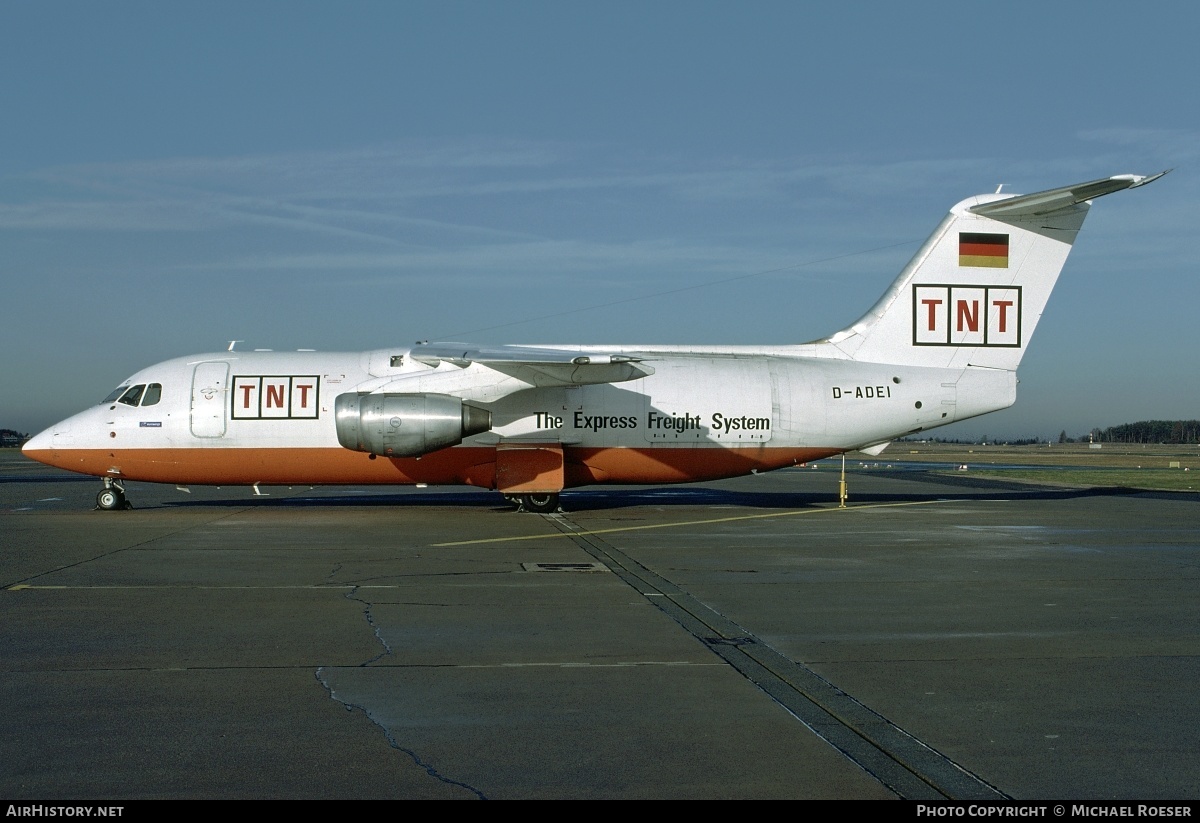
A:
(112, 496)
(539, 503)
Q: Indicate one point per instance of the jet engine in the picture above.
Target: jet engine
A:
(406, 425)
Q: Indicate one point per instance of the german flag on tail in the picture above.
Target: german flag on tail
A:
(983, 250)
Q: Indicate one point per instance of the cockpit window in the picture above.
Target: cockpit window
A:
(153, 394)
(115, 393)
(131, 397)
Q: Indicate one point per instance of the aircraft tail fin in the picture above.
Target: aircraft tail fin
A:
(973, 294)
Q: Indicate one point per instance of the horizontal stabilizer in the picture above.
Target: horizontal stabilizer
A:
(1045, 202)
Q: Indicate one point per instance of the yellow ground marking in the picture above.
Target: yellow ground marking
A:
(709, 521)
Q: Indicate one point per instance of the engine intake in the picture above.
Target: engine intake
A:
(406, 425)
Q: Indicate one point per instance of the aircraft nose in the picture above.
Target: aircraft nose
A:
(42, 446)
(39, 442)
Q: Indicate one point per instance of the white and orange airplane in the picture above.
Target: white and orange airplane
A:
(940, 346)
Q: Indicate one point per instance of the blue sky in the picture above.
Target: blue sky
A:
(310, 175)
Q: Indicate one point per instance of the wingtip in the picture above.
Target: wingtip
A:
(1150, 179)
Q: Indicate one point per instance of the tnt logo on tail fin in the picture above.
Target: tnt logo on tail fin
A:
(975, 291)
(966, 316)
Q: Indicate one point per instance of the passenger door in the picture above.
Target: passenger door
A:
(209, 399)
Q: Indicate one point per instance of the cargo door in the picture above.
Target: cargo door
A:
(718, 400)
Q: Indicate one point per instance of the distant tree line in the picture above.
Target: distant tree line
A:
(1151, 431)
(1145, 432)
(977, 441)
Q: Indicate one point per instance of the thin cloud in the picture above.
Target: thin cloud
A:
(339, 191)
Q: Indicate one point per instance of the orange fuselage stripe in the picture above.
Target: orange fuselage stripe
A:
(464, 465)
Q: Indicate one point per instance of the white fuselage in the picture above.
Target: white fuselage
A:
(268, 417)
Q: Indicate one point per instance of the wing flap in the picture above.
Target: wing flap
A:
(536, 365)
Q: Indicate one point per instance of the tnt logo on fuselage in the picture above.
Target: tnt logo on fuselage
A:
(256, 397)
(967, 316)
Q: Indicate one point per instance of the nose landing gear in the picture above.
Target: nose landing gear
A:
(112, 496)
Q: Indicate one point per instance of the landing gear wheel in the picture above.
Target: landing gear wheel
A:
(540, 503)
(110, 499)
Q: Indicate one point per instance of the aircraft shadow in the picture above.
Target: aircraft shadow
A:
(599, 498)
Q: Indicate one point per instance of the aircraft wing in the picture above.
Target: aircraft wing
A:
(1044, 202)
(537, 366)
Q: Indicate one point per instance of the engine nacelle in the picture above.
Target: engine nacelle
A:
(406, 425)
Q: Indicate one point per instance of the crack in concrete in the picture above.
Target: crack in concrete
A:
(392, 741)
(377, 630)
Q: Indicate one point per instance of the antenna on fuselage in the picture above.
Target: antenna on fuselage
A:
(233, 343)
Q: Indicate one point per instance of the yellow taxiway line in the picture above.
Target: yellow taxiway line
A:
(794, 513)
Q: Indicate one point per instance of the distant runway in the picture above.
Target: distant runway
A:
(943, 637)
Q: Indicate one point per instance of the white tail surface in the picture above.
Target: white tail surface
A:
(973, 294)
